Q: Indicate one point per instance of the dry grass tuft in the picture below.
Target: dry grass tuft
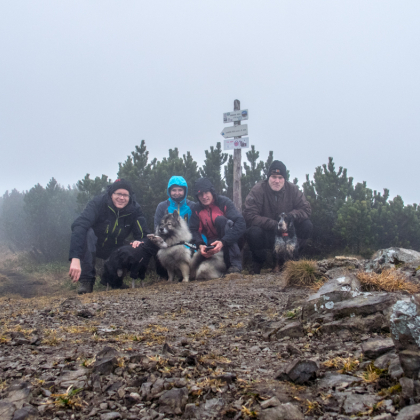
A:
(389, 281)
(344, 365)
(303, 273)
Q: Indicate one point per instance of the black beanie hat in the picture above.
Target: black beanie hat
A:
(277, 168)
(203, 185)
(120, 184)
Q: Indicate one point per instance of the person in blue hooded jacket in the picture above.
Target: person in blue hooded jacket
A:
(177, 193)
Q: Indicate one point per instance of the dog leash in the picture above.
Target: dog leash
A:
(187, 244)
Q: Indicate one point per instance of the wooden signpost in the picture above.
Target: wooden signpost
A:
(236, 132)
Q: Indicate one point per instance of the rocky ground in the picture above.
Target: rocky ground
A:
(240, 347)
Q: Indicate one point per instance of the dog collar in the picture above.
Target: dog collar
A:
(284, 234)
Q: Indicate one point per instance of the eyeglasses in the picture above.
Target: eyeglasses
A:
(124, 196)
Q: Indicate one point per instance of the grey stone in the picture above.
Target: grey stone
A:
(410, 363)
(272, 402)
(395, 370)
(71, 377)
(173, 401)
(407, 385)
(18, 396)
(384, 416)
(105, 366)
(192, 412)
(213, 407)
(110, 416)
(145, 390)
(282, 412)
(71, 303)
(383, 362)
(405, 325)
(377, 346)
(334, 290)
(107, 352)
(26, 413)
(370, 323)
(412, 412)
(355, 403)
(332, 380)
(299, 371)
(291, 329)
(365, 304)
(388, 257)
(6, 410)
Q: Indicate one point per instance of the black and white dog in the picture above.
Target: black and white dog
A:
(120, 262)
(286, 243)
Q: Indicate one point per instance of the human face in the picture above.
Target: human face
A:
(206, 198)
(276, 182)
(120, 198)
(177, 192)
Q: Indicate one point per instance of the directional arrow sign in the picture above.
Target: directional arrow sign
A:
(233, 116)
(235, 131)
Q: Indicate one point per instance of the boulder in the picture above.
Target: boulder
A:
(390, 257)
(334, 290)
(363, 305)
(405, 324)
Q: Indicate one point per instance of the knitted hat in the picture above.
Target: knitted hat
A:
(120, 184)
(277, 168)
(203, 185)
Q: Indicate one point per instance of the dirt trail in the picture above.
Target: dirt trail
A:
(17, 283)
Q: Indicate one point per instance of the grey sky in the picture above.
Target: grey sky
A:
(83, 82)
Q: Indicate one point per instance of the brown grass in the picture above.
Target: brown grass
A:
(389, 281)
(303, 273)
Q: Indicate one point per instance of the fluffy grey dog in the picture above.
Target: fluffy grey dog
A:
(170, 235)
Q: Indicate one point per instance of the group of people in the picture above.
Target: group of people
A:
(110, 218)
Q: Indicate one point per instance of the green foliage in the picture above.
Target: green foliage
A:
(89, 188)
(213, 163)
(49, 213)
(12, 220)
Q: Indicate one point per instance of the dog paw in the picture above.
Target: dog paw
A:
(157, 240)
(185, 280)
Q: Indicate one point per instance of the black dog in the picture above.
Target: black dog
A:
(286, 242)
(120, 262)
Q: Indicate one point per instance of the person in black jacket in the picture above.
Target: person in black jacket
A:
(216, 217)
(102, 227)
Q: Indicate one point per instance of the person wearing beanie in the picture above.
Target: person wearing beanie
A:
(177, 192)
(216, 217)
(264, 203)
(102, 227)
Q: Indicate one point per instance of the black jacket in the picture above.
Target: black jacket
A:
(111, 226)
(202, 220)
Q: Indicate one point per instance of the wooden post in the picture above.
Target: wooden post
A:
(237, 168)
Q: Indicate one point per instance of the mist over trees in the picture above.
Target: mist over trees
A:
(347, 218)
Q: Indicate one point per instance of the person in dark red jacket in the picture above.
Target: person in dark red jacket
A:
(216, 217)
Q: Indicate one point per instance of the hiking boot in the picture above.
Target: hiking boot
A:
(85, 286)
(233, 269)
(256, 267)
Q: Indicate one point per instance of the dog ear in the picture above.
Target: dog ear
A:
(176, 215)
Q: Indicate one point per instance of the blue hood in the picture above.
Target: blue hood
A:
(178, 180)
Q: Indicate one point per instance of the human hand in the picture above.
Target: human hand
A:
(204, 253)
(75, 270)
(136, 244)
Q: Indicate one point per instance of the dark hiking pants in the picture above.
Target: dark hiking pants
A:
(231, 254)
